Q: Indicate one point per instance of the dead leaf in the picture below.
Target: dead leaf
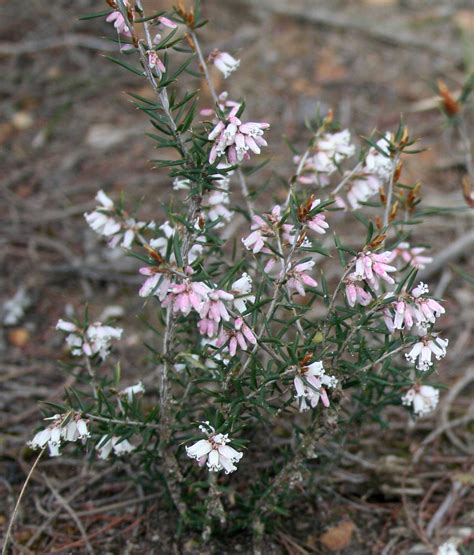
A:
(338, 537)
(19, 337)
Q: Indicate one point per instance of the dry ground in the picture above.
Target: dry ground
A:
(67, 129)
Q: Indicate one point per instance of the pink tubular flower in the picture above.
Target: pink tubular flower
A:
(260, 229)
(214, 308)
(355, 293)
(154, 61)
(208, 327)
(310, 384)
(119, 22)
(411, 255)
(428, 309)
(237, 337)
(371, 267)
(298, 277)
(317, 222)
(165, 22)
(413, 309)
(186, 296)
(152, 284)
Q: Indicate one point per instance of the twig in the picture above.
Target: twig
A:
(450, 397)
(460, 247)
(171, 466)
(383, 357)
(457, 491)
(125, 422)
(71, 513)
(346, 179)
(92, 375)
(212, 90)
(20, 497)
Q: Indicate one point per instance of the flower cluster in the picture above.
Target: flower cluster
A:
(329, 151)
(209, 302)
(94, 339)
(214, 451)
(413, 309)
(234, 140)
(162, 244)
(311, 382)
(375, 171)
(423, 399)
(422, 352)
(215, 203)
(63, 428)
(154, 61)
(372, 268)
(447, 548)
(411, 255)
(108, 221)
(118, 446)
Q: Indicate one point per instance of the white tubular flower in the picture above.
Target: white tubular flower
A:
(336, 147)
(181, 183)
(66, 326)
(361, 188)
(14, 309)
(215, 451)
(82, 431)
(421, 353)
(95, 339)
(40, 439)
(108, 444)
(377, 163)
(310, 384)
(133, 390)
(241, 290)
(160, 244)
(58, 432)
(423, 399)
(107, 221)
(102, 220)
(447, 548)
(215, 207)
(331, 149)
(225, 63)
(70, 431)
(100, 337)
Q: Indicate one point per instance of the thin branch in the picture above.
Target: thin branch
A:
(125, 422)
(212, 89)
(62, 501)
(20, 497)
